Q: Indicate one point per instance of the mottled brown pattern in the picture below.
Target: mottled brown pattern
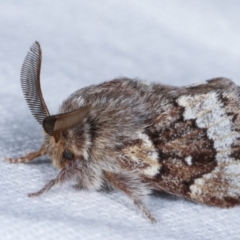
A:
(136, 155)
(180, 140)
(231, 105)
(139, 136)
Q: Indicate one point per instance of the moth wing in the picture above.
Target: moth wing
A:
(200, 152)
(192, 146)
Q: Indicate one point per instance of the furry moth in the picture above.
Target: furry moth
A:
(137, 137)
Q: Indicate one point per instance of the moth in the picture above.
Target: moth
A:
(136, 137)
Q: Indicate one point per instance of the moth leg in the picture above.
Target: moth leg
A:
(64, 175)
(132, 188)
(46, 188)
(29, 157)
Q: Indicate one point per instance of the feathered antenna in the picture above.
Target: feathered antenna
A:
(30, 82)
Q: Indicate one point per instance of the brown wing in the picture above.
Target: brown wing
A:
(199, 151)
(191, 147)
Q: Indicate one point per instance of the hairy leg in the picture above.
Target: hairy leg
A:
(132, 187)
(64, 175)
(29, 157)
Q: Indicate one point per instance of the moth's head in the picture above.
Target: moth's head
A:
(69, 147)
(65, 139)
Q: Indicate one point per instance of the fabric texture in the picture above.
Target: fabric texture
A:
(87, 42)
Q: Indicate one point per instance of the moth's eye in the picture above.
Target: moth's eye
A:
(67, 155)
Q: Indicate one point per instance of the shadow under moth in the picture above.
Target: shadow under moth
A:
(136, 137)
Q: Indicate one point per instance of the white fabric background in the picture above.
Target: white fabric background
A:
(177, 42)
